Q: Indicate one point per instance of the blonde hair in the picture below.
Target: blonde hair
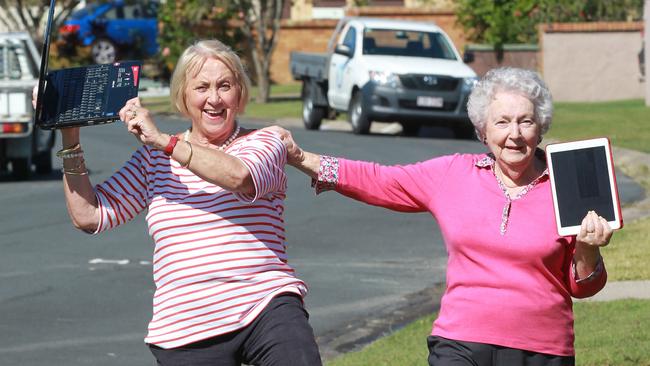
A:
(191, 62)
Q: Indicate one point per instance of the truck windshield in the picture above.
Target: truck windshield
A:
(393, 42)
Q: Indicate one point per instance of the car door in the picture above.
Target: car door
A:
(340, 72)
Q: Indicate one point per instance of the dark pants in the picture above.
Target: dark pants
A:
(280, 335)
(447, 352)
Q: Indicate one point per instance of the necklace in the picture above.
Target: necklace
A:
(225, 144)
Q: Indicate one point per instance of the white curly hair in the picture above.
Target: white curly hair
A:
(510, 79)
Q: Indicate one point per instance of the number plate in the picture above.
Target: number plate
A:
(435, 102)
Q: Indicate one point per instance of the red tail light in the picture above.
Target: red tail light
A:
(68, 28)
(13, 127)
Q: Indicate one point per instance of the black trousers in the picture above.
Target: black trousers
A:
(447, 352)
(280, 335)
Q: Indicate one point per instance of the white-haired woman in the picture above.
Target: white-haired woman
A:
(214, 197)
(510, 276)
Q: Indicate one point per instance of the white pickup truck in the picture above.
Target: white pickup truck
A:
(388, 71)
(21, 144)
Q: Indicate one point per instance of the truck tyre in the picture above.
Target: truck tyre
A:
(357, 115)
(103, 51)
(22, 168)
(312, 116)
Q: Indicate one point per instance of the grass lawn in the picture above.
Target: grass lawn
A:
(598, 343)
(626, 123)
(607, 333)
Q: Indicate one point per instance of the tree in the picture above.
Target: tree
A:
(30, 15)
(261, 20)
(255, 22)
(498, 22)
(183, 22)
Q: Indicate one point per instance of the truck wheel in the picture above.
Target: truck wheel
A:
(312, 116)
(22, 168)
(43, 162)
(357, 115)
(103, 51)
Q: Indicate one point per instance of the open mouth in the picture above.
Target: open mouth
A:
(515, 148)
(214, 114)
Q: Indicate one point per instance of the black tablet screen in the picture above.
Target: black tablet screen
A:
(582, 184)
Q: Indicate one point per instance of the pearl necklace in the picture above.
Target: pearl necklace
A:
(226, 143)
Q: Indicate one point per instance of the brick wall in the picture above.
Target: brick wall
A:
(313, 35)
(304, 36)
(592, 61)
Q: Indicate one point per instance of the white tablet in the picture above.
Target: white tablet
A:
(583, 179)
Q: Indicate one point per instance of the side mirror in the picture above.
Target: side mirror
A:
(468, 57)
(344, 50)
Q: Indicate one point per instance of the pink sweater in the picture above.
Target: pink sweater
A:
(511, 289)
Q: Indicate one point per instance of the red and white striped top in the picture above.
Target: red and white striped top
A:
(219, 257)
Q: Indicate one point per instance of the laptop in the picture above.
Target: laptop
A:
(82, 96)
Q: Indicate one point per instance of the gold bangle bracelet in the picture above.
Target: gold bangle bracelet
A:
(189, 158)
(74, 148)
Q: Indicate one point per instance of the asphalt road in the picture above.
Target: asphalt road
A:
(67, 298)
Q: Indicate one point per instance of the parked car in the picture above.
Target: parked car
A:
(114, 28)
(386, 70)
(21, 144)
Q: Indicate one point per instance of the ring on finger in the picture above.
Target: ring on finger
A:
(134, 113)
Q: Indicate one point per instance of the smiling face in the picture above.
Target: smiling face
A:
(212, 100)
(511, 132)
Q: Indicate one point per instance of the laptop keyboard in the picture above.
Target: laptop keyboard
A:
(85, 88)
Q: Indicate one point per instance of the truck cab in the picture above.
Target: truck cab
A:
(21, 144)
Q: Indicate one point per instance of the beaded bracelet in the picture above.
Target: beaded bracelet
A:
(73, 155)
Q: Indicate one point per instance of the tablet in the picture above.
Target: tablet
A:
(582, 180)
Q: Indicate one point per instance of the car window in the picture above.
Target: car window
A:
(132, 12)
(394, 42)
(114, 13)
(349, 39)
(82, 13)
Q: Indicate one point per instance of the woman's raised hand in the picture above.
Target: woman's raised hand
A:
(138, 121)
(295, 155)
(594, 230)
